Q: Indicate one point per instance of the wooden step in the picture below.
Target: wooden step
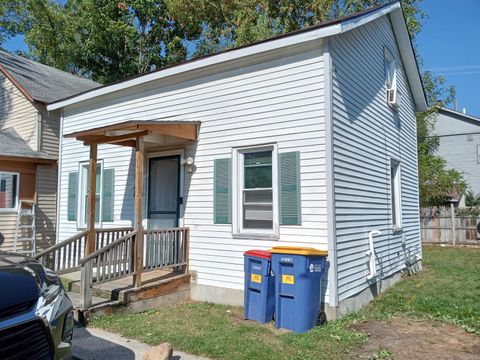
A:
(111, 290)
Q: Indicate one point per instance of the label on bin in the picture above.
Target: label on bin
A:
(256, 278)
(288, 279)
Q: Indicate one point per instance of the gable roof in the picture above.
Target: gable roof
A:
(322, 30)
(12, 145)
(40, 82)
(461, 116)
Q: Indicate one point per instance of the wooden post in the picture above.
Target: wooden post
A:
(92, 191)
(139, 171)
(452, 209)
(86, 286)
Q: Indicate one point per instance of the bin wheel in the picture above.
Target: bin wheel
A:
(322, 318)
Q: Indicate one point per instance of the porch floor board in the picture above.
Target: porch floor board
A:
(110, 290)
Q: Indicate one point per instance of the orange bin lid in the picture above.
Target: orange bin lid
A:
(297, 250)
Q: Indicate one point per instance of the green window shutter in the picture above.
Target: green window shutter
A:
(108, 194)
(222, 202)
(289, 187)
(72, 196)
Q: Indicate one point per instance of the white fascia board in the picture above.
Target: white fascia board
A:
(461, 114)
(234, 54)
(362, 20)
(408, 59)
(201, 63)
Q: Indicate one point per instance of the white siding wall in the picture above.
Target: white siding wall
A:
(280, 101)
(459, 139)
(366, 133)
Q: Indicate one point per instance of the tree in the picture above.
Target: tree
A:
(11, 13)
(109, 40)
(106, 40)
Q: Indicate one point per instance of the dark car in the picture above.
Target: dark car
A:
(36, 317)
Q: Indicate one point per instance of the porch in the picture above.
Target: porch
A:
(127, 264)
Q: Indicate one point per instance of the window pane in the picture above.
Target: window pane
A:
(394, 193)
(258, 177)
(259, 158)
(258, 170)
(98, 176)
(8, 191)
(258, 210)
(258, 196)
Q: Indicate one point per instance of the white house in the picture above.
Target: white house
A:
(459, 144)
(305, 139)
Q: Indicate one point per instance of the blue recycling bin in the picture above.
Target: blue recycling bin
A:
(259, 294)
(298, 272)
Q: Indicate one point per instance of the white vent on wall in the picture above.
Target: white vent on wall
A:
(393, 98)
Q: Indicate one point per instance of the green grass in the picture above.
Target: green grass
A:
(447, 290)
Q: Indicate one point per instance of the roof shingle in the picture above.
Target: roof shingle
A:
(43, 83)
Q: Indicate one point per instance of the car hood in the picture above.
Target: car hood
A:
(18, 285)
(25, 283)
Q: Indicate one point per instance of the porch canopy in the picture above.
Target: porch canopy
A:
(126, 133)
(129, 133)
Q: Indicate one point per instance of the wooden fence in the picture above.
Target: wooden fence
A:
(444, 225)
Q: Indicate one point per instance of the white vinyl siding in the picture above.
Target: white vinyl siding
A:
(272, 99)
(366, 134)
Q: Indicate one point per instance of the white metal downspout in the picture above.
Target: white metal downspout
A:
(371, 254)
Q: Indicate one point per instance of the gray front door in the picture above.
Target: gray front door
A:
(164, 192)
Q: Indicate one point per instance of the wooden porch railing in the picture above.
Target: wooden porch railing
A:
(65, 256)
(113, 261)
(103, 237)
(165, 248)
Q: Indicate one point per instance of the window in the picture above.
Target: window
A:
(256, 205)
(390, 71)
(257, 190)
(395, 194)
(9, 184)
(83, 191)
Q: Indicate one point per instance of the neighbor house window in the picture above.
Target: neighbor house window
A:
(256, 208)
(9, 183)
(395, 193)
(83, 191)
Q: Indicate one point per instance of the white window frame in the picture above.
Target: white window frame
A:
(396, 184)
(82, 191)
(17, 195)
(237, 191)
(390, 64)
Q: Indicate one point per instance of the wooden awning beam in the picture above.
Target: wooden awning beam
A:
(187, 130)
(104, 139)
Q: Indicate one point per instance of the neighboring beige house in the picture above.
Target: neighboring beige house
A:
(29, 137)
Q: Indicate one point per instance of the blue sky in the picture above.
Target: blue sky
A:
(449, 45)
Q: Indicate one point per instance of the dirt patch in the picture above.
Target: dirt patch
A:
(402, 338)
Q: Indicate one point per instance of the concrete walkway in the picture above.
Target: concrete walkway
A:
(93, 344)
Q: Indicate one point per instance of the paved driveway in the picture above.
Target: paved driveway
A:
(93, 344)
